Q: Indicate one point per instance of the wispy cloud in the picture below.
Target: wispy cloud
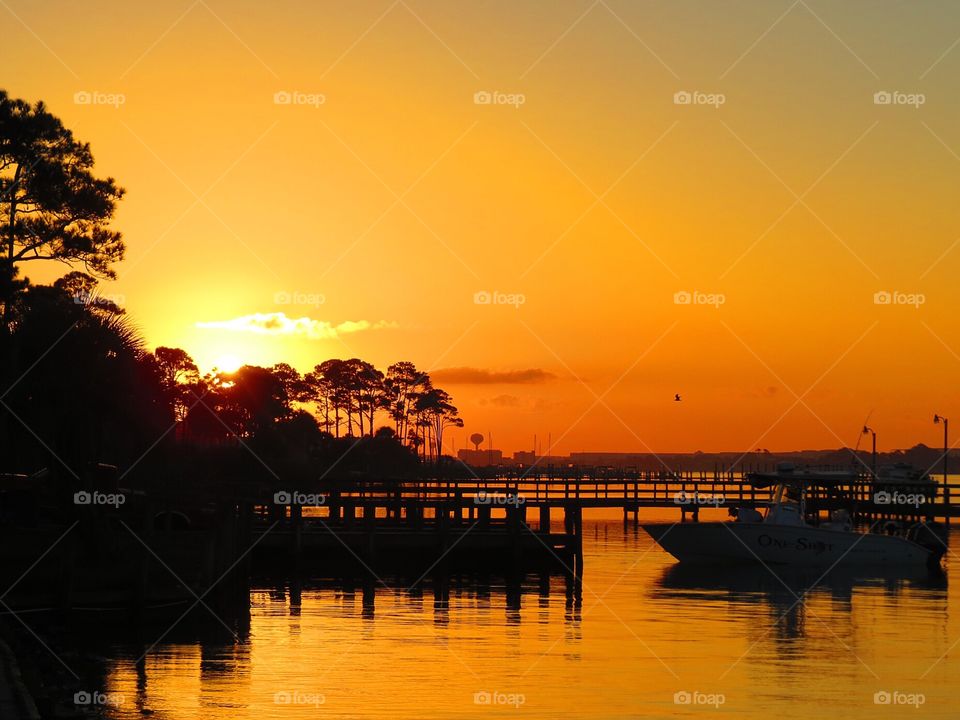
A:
(481, 376)
(279, 324)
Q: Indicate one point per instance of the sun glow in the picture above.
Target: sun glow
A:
(228, 363)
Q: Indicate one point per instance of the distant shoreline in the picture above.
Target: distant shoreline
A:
(920, 456)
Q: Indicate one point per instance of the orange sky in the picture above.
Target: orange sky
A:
(372, 219)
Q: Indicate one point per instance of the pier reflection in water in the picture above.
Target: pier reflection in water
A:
(639, 630)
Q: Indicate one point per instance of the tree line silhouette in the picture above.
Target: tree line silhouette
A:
(346, 397)
(78, 383)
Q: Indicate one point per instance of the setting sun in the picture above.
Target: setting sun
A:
(228, 363)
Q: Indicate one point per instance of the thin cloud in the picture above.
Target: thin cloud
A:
(279, 324)
(480, 376)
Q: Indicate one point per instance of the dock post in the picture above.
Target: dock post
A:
(397, 503)
(483, 516)
(334, 502)
(457, 507)
(513, 529)
(545, 518)
(443, 525)
(578, 540)
(245, 532)
(573, 529)
(370, 527)
(370, 557)
(296, 518)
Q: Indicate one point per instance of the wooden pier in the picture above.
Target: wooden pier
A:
(514, 521)
(156, 548)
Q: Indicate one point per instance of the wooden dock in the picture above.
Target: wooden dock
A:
(158, 548)
(513, 521)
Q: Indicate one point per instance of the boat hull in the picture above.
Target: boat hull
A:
(741, 542)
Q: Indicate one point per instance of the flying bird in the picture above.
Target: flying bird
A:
(676, 398)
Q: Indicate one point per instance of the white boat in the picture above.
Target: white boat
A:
(787, 535)
(903, 476)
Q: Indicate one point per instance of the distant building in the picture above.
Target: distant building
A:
(481, 458)
(524, 457)
(528, 458)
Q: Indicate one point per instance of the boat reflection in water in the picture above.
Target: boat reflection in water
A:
(792, 595)
(750, 582)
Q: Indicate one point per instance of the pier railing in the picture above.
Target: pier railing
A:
(618, 491)
(690, 492)
(597, 492)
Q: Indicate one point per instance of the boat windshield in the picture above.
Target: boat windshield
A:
(786, 503)
(785, 493)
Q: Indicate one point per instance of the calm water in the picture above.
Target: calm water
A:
(741, 645)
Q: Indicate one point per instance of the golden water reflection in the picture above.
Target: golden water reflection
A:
(639, 638)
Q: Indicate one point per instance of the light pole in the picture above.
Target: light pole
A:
(946, 447)
(872, 432)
